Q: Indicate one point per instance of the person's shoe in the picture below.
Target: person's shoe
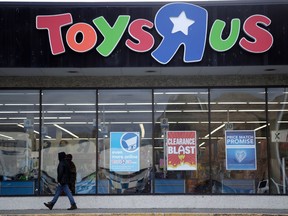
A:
(49, 205)
(73, 207)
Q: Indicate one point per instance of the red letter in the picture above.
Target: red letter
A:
(263, 40)
(145, 40)
(53, 24)
(88, 41)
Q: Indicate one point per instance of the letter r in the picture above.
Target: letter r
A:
(181, 24)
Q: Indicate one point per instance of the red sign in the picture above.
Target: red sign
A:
(181, 150)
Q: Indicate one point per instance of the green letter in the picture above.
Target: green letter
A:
(215, 38)
(112, 35)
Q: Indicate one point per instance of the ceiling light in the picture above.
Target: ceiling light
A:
(203, 143)
(218, 128)
(263, 126)
(232, 103)
(111, 104)
(81, 104)
(59, 111)
(170, 103)
(19, 104)
(8, 137)
(92, 111)
(142, 130)
(260, 110)
(67, 131)
(139, 103)
(56, 104)
(140, 111)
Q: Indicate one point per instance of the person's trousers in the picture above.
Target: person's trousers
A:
(67, 191)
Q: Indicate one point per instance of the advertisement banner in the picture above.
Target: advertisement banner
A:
(240, 150)
(181, 150)
(124, 151)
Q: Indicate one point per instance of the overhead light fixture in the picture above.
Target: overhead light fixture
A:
(92, 111)
(170, 103)
(64, 111)
(142, 130)
(81, 104)
(8, 137)
(139, 103)
(111, 104)
(140, 111)
(263, 126)
(22, 126)
(218, 128)
(231, 102)
(67, 131)
(18, 104)
(55, 104)
(259, 110)
(203, 143)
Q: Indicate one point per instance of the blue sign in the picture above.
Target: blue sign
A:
(124, 151)
(240, 150)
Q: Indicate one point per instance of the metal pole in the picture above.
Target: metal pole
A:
(284, 175)
(165, 152)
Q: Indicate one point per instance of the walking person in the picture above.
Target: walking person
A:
(73, 172)
(63, 179)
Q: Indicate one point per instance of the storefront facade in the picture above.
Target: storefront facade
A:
(161, 100)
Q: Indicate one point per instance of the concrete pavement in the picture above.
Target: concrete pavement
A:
(146, 212)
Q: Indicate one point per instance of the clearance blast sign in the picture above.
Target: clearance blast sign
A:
(181, 150)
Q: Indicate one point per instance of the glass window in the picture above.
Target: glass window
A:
(68, 120)
(181, 130)
(278, 122)
(238, 140)
(19, 138)
(125, 141)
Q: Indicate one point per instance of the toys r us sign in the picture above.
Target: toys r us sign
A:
(177, 23)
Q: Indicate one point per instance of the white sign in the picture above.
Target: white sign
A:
(279, 136)
(228, 126)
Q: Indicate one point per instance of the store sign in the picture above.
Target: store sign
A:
(177, 23)
(181, 150)
(240, 150)
(124, 151)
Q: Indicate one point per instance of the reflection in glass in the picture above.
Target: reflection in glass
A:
(238, 111)
(69, 118)
(125, 116)
(19, 140)
(278, 121)
(185, 110)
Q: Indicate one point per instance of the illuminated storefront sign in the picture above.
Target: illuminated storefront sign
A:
(181, 150)
(177, 23)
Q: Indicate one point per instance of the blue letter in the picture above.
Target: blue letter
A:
(181, 23)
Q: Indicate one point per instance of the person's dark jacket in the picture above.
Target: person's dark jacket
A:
(63, 170)
(73, 173)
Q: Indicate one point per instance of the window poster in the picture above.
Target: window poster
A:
(181, 150)
(124, 151)
(240, 150)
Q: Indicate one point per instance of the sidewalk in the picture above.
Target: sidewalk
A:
(145, 212)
